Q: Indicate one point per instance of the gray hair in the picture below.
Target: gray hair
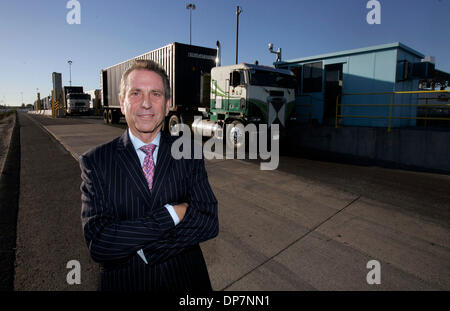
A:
(145, 64)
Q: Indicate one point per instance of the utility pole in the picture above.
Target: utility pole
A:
(190, 7)
(238, 11)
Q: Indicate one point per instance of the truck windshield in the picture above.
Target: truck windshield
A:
(271, 78)
(79, 96)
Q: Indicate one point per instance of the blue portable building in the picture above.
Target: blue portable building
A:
(326, 79)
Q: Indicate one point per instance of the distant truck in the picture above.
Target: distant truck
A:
(235, 95)
(76, 101)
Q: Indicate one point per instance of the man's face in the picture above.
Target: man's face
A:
(144, 105)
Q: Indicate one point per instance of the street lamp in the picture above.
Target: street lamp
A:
(70, 72)
(190, 7)
(238, 11)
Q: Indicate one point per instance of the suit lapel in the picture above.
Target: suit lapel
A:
(163, 166)
(129, 163)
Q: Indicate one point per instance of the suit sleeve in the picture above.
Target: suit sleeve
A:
(107, 237)
(199, 224)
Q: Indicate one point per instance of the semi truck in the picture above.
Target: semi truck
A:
(75, 100)
(223, 95)
(248, 93)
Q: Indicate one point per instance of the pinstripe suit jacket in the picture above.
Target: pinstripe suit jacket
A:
(120, 215)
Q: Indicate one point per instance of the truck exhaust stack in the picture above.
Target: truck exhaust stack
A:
(218, 61)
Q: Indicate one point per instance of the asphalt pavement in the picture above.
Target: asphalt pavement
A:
(49, 232)
(309, 225)
(9, 197)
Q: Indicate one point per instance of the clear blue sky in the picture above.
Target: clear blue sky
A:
(36, 39)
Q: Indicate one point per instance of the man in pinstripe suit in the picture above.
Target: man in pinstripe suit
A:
(143, 219)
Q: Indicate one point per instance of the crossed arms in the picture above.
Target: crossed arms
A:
(109, 238)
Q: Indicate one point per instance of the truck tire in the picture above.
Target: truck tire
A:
(110, 117)
(173, 121)
(235, 134)
(105, 116)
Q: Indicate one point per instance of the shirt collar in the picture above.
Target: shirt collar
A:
(137, 143)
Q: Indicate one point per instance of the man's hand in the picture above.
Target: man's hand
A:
(180, 209)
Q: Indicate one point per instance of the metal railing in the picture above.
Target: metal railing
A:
(391, 105)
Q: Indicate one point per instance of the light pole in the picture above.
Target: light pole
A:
(70, 72)
(190, 7)
(238, 11)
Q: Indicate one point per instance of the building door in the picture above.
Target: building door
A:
(333, 89)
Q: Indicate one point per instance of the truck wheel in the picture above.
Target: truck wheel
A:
(172, 125)
(235, 134)
(110, 117)
(105, 116)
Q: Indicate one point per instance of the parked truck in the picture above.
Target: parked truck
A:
(235, 95)
(248, 93)
(75, 100)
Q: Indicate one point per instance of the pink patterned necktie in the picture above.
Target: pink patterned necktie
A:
(149, 166)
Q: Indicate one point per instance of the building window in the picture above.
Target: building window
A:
(403, 70)
(312, 77)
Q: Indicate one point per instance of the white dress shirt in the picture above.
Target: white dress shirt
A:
(137, 143)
